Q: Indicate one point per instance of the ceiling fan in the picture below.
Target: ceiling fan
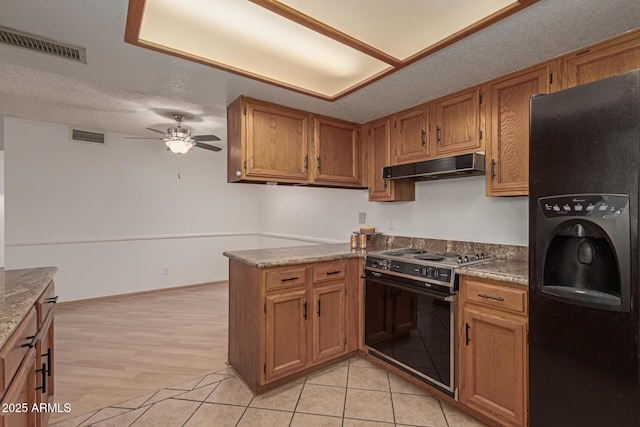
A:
(179, 140)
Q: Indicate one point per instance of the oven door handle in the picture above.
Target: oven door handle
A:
(435, 295)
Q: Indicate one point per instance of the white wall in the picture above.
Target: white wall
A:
(454, 209)
(111, 217)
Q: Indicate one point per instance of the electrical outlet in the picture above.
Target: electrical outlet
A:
(165, 270)
(392, 224)
(362, 217)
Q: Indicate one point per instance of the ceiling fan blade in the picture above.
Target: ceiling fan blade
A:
(156, 130)
(205, 138)
(207, 146)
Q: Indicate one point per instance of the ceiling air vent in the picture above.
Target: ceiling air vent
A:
(39, 44)
(87, 136)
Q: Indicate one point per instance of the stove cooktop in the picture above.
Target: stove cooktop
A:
(428, 257)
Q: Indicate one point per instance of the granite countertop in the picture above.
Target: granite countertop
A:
(264, 258)
(504, 270)
(19, 291)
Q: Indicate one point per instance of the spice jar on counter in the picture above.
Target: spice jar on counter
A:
(354, 241)
(362, 241)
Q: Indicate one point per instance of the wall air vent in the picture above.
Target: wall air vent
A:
(39, 44)
(88, 136)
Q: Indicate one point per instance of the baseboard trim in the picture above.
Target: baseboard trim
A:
(69, 304)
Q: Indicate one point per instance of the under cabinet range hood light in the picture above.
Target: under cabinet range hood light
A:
(470, 164)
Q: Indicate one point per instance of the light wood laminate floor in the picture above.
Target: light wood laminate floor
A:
(111, 351)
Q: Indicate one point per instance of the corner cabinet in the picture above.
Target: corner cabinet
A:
(267, 142)
(508, 129)
(379, 149)
(288, 321)
(493, 349)
(271, 143)
(27, 368)
(602, 60)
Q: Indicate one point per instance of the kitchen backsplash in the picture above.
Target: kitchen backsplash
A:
(519, 253)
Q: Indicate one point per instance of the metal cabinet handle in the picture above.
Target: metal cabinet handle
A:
(48, 354)
(43, 378)
(289, 279)
(466, 332)
(318, 307)
(438, 134)
(304, 313)
(31, 343)
(423, 141)
(51, 300)
(333, 272)
(491, 297)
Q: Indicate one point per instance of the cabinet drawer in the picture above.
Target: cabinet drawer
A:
(45, 303)
(13, 352)
(329, 271)
(498, 296)
(286, 277)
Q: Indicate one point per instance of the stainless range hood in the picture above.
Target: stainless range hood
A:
(470, 164)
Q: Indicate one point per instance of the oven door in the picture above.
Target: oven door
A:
(411, 327)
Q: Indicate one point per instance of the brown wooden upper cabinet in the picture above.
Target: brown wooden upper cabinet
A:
(379, 148)
(266, 142)
(456, 123)
(337, 152)
(601, 60)
(508, 127)
(410, 135)
(269, 142)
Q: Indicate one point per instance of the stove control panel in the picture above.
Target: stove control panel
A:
(431, 273)
(465, 259)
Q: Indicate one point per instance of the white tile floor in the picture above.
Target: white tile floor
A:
(353, 393)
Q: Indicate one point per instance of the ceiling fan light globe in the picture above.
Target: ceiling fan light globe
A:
(178, 145)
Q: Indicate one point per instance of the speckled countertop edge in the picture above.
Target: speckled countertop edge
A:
(504, 270)
(19, 291)
(276, 257)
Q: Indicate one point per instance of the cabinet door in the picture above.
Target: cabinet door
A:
(409, 139)
(382, 190)
(493, 365)
(329, 339)
(457, 123)
(277, 143)
(45, 377)
(603, 60)
(508, 136)
(285, 335)
(21, 396)
(337, 152)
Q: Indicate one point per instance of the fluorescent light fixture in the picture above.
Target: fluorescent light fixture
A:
(326, 49)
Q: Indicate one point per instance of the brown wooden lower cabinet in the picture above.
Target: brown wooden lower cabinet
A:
(26, 364)
(295, 328)
(493, 349)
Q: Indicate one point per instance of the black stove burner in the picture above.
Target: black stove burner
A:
(405, 252)
(430, 257)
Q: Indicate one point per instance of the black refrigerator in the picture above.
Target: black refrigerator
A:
(583, 255)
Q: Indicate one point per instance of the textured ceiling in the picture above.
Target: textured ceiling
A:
(125, 88)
